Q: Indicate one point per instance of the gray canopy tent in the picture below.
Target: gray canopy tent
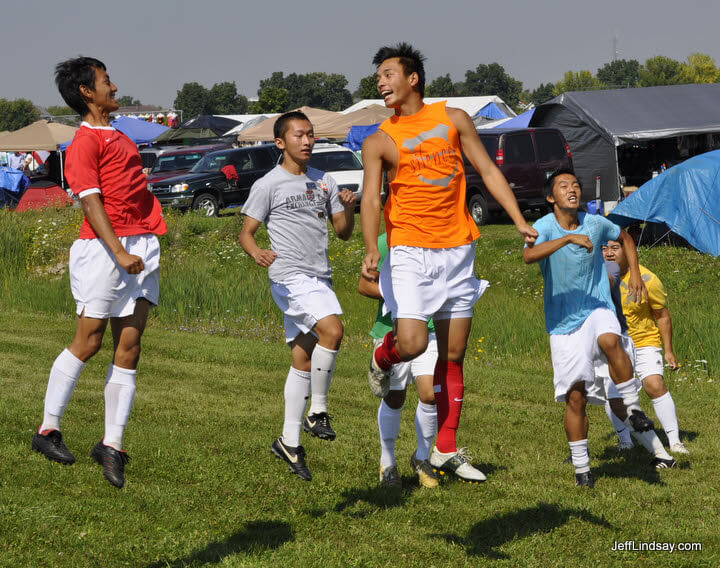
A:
(596, 123)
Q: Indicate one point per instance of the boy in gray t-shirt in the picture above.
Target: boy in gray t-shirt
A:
(295, 203)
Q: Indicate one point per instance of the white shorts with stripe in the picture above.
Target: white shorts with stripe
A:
(405, 373)
(101, 288)
(423, 283)
(304, 300)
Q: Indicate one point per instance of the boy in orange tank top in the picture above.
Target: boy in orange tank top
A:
(429, 270)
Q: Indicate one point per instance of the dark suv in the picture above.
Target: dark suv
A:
(526, 157)
(218, 180)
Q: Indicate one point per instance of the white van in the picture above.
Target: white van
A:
(342, 164)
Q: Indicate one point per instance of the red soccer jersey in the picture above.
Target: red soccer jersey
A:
(104, 160)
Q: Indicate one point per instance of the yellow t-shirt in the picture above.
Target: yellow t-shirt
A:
(641, 323)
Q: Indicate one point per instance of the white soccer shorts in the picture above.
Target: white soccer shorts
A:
(604, 387)
(304, 300)
(101, 288)
(648, 361)
(405, 373)
(423, 283)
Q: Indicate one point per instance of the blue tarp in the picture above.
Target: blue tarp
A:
(685, 198)
(519, 121)
(13, 184)
(491, 111)
(357, 135)
(139, 131)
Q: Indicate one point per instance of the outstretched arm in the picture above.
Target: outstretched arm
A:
(263, 257)
(535, 253)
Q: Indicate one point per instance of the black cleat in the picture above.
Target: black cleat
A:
(113, 462)
(294, 457)
(52, 447)
(585, 479)
(640, 422)
(660, 463)
(319, 425)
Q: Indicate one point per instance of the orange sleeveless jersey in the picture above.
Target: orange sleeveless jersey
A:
(426, 206)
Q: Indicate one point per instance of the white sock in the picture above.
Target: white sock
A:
(119, 396)
(622, 431)
(629, 392)
(61, 384)
(297, 391)
(389, 426)
(665, 411)
(321, 371)
(425, 428)
(580, 455)
(651, 443)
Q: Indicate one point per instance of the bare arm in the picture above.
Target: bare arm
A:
(344, 222)
(370, 288)
(636, 287)
(370, 204)
(535, 253)
(263, 257)
(664, 323)
(492, 177)
(97, 217)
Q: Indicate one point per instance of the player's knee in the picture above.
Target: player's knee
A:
(576, 399)
(609, 343)
(331, 334)
(410, 347)
(427, 397)
(654, 386)
(127, 356)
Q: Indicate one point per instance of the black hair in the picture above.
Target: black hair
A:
(410, 59)
(72, 73)
(281, 124)
(550, 181)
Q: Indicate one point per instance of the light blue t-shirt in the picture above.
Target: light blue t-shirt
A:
(576, 282)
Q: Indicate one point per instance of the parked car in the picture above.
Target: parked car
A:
(210, 185)
(342, 164)
(526, 157)
(174, 162)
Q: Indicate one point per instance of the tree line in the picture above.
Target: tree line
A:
(280, 92)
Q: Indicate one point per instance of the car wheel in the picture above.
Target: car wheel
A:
(206, 203)
(478, 209)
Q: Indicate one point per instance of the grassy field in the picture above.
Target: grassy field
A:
(203, 489)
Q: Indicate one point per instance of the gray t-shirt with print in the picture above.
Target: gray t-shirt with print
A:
(295, 210)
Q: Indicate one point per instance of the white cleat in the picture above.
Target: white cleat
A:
(679, 448)
(457, 463)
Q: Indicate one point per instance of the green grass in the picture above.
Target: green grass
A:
(203, 489)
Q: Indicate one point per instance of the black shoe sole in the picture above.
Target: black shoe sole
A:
(444, 472)
(328, 437)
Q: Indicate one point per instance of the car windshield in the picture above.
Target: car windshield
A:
(335, 161)
(176, 162)
(211, 163)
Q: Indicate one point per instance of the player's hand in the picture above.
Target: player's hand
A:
(347, 198)
(529, 234)
(636, 290)
(131, 263)
(582, 241)
(671, 360)
(369, 266)
(265, 257)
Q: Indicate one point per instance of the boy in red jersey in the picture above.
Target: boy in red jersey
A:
(429, 271)
(113, 267)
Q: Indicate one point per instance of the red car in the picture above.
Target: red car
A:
(176, 162)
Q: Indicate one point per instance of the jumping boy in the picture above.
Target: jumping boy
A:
(420, 371)
(429, 270)
(295, 203)
(579, 313)
(114, 264)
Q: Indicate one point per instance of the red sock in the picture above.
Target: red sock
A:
(449, 390)
(386, 355)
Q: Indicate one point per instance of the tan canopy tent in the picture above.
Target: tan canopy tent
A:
(373, 114)
(40, 135)
(325, 123)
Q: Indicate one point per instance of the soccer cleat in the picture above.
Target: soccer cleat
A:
(113, 462)
(640, 422)
(294, 457)
(389, 478)
(319, 426)
(661, 463)
(379, 380)
(585, 480)
(624, 446)
(52, 447)
(679, 448)
(426, 476)
(458, 463)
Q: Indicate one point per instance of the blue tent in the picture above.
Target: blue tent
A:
(139, 131)
(355, 138)
(13, 184)
(519, 121)
(491, 111)
(685, 198)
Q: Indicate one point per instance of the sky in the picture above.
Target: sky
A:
(153, 47)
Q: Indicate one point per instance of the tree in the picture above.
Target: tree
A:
(270, 99)
(60, 111)
(619, 73)
(193, 99)
(700, 68)
(127, 101)
(492, 80)
(580, 81)
(16, 114)
(367, 89)
(320, 90)
(224, 99)
(660, 70)
(542, 93)
(441, 87)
